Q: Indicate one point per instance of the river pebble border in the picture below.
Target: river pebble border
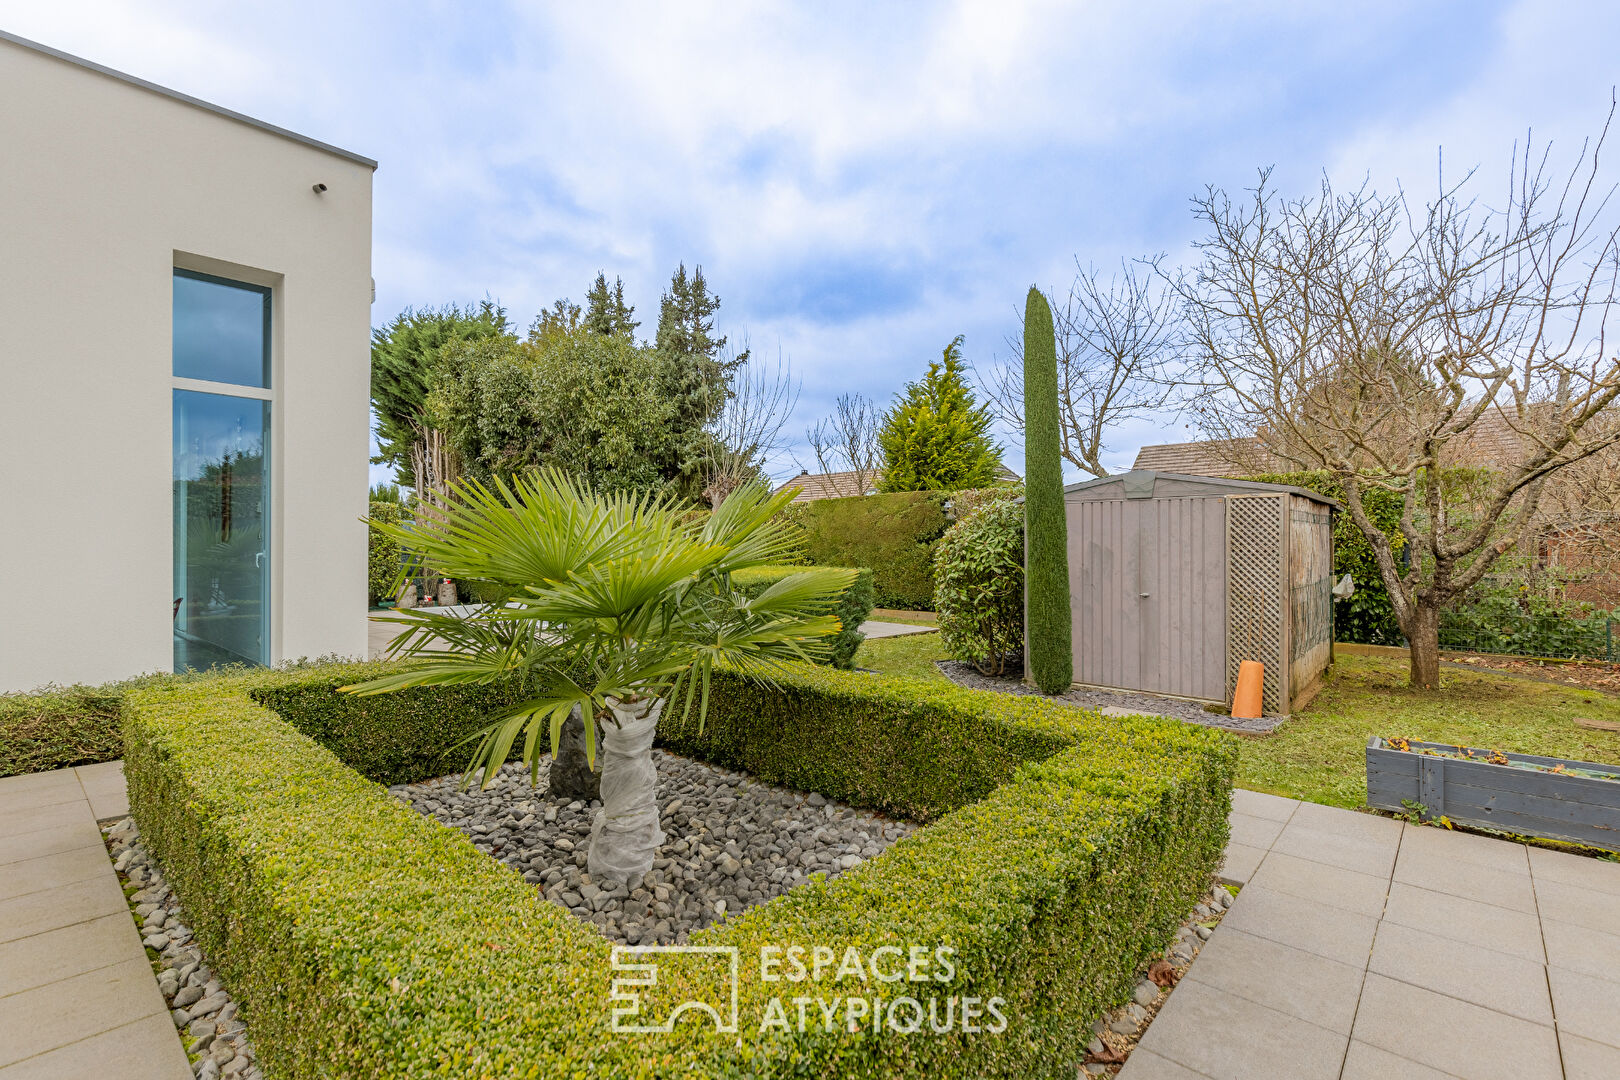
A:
(732, 842)
(214, 1036)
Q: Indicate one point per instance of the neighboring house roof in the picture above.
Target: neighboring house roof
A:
(1208, 457)
(843, 485)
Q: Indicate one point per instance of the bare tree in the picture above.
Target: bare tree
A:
(847, 441)
(1450, 352)
(748, 432)
(1113, 342)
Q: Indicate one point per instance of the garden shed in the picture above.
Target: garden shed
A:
(1175, 580)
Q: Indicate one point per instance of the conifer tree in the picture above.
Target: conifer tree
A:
(606, 312)
(937, 437)
(1048, 637)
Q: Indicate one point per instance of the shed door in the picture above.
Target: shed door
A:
(1147, 579)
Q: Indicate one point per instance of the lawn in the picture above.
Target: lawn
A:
(1319, 754)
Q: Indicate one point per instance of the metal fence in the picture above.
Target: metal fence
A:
(1519, 634)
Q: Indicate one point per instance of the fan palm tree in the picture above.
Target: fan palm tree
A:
(625, 603)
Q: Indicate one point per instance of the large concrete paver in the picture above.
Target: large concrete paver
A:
(77, 996)
(1471, 957)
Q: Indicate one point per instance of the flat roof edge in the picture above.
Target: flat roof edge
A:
(219, 110)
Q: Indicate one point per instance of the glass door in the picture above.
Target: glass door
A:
(221, 477)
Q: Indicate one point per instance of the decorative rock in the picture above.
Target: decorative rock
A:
(1146, 993)
(727, 838)
(187, 995)
(1203, 933)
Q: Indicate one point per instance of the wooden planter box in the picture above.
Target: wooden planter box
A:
(1528, 802)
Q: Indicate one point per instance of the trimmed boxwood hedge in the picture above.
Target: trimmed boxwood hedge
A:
(894, 534)
(364, 940)
(854, 606)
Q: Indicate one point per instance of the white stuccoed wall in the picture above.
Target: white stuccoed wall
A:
(105, 187)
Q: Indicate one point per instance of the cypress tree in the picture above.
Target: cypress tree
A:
(1048, 643)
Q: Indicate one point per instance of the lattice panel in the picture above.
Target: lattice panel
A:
(1254, 592)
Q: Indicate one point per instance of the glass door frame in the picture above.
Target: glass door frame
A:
(206, 268)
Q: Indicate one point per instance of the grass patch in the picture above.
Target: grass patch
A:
(1320, 754)
(911, 654)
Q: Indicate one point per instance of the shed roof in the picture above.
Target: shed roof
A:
(1141, 484)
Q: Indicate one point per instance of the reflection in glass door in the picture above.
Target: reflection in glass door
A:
(222, 492)
(221, 569)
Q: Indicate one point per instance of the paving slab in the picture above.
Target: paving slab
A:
(1292, 981)
(1580, 907)
(1469, 880)
(1253, 831)
(1349, 849)
(875, 628)
(46, 1017)
(1597, 874)
(64, 905)
(46, 957)
(1454, 1036)
(24, 820)
(1240, 863)
(1143, 1065)
(1367, 1062)
(143, 1050)
(1288, 1049)
(1460, 919)
(32, 845)
(1586, 1005)
(1508, 856)
(49, 871)
(47, 784)
(1495, 980)
(1331, 885)
(1585, 1059)
(1576, 948)
(104, 788)
(1257, 804)
(1304, 924)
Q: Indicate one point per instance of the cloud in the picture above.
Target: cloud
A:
(861, 182)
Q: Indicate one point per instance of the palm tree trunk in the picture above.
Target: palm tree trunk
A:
(625, 836)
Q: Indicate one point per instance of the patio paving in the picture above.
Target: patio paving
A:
(77, 996)
(1359, 948)
(1362, 947)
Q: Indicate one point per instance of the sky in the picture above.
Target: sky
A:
(860, 182)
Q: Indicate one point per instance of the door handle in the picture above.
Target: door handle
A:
(1144, 595)
(258, 562)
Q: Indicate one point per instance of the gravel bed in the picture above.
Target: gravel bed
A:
(214, 1037)
(731, 842)
(1108, 702)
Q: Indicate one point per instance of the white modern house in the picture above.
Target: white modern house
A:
(184, 378)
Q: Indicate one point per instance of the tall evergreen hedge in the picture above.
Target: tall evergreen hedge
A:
(894, 534)
(1048, 644)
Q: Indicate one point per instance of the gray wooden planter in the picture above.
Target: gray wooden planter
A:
(1527, 802)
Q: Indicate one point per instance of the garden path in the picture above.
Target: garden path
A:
(1361, 947)
(77, 993)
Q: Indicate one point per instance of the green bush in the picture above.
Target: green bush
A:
(383, 554)
(1367, 617)
(59, 727)
(854, 606)
(364, 940)
(979, 584)
(1521, 623)
(1050, 655)
(893, 534)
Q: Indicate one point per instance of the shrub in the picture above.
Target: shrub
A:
(1367, 617)
(60, 727)
(853, 608)
(366, 940)
(383, 553)
(893, 534)
(1050, 651)
(979, 584)
(937, 437)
